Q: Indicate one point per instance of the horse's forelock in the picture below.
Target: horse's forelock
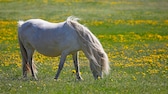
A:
(105, 63)
(72, 18)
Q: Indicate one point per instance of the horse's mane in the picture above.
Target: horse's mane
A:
(91, 45)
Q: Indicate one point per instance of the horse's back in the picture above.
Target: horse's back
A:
(47, 38)
(40, 23)
(39, 27)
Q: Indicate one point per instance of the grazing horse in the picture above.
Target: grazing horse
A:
(64, 38)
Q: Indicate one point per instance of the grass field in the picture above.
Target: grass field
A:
(134, 33)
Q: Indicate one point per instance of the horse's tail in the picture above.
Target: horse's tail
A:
(90, 45)
(25, 64)
(20, 23)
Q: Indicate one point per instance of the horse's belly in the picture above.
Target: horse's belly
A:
(54, 50)
(49, 52)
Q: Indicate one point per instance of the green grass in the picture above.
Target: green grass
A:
(134, 33)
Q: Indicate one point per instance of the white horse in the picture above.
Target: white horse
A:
(64, 38)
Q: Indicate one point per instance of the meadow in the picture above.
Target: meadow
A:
(134, 34)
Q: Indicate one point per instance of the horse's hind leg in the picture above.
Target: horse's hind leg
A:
(24, 64)
(24, 59)
(30, 52)
(24, 68)
(76, 64)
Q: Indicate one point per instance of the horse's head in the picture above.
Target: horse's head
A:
(99, 65)
(92, 48)
(96, 71)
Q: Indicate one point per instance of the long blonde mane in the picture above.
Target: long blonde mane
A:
(90, 46)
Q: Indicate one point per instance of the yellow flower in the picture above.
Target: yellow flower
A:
(134, 78)
(74, 71)
(143, 74)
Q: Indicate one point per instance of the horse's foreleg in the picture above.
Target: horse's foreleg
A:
(76, 64)
(61, 64)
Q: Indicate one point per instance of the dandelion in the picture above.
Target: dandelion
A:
(137, 72)
(38, 87)
(54, 68)
(96, 23)
(44, 85)
(140, 51)
(166, 68)
(143, 74)
(45, 1)
(99, 78)
(134, 78)
(166, 22)
(74, 71)
(152, 71)
(6, 63)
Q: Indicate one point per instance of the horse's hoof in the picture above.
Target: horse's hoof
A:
(34, 79)
(80, 79)
(24, 78)
(57, 79)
